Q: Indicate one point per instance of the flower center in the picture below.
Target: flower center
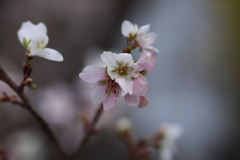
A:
(122, 69)
(111, 87)
(40, 44)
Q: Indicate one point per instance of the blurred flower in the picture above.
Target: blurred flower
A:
(56, 104)
(122, 125)
(122, 69)
(147, 59)
(170, 133)
(144, 38)
(28, 29)
(141, 35)
(37, 48)
(27, 145)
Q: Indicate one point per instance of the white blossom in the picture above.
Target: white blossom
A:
(122, 69)
(142, 35)
(144, 38)
(28, 29)
(171, 132)
(123, 124)
(37, 48)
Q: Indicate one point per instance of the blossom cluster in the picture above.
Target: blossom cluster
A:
(122, 76)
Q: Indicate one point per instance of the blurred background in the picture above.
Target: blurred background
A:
(195, 83)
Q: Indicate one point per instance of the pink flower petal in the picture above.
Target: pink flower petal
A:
(147, 60)
(143, 102)
(110, 101)
(140, 85)
(98, 93)
(132, 100)
(93, 74)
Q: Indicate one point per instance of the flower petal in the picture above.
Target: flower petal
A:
(132, 100)
(127, 28)
(38, 42)
(140, 85)
(136, 70)
(93, 74)
(98, 94)
(151, 38)
(111, 72)
(28, 29)
(144, 29)
(147, 39)
(126, 85)
(151, 49)
(109, 58)
(110, 101)
(143, 102)
(147, 59)
(125, 58)
(51, 54)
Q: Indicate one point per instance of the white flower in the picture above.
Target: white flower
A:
(144, 38)
(122, 69)
(37, 48)
(123, 124)
(141, 34)
(28, 29)
(128, 29)
(171, 132)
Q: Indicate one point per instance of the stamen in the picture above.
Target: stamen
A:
(40, 45)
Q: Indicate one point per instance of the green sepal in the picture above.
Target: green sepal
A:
(32, 86)
(26, 42)
(102, 82)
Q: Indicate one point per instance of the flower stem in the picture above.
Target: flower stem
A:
(26, 104)
(89, 131)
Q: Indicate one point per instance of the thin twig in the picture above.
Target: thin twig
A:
(25, 102)
(11, 99)
(89, 131)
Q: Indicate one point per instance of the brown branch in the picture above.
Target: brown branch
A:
(25, 102)
(89, 131)
(12, 99)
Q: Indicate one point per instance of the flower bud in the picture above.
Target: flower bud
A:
(122, 125)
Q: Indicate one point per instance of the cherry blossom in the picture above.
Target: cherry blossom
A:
(37, 48)
(28, 29)
(171, 132)
(147, 59)
(144, 38)
(105, 89)
(141, 35)
(122, 69)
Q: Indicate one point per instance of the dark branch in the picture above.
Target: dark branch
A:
(26, 104)
(89, 131)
